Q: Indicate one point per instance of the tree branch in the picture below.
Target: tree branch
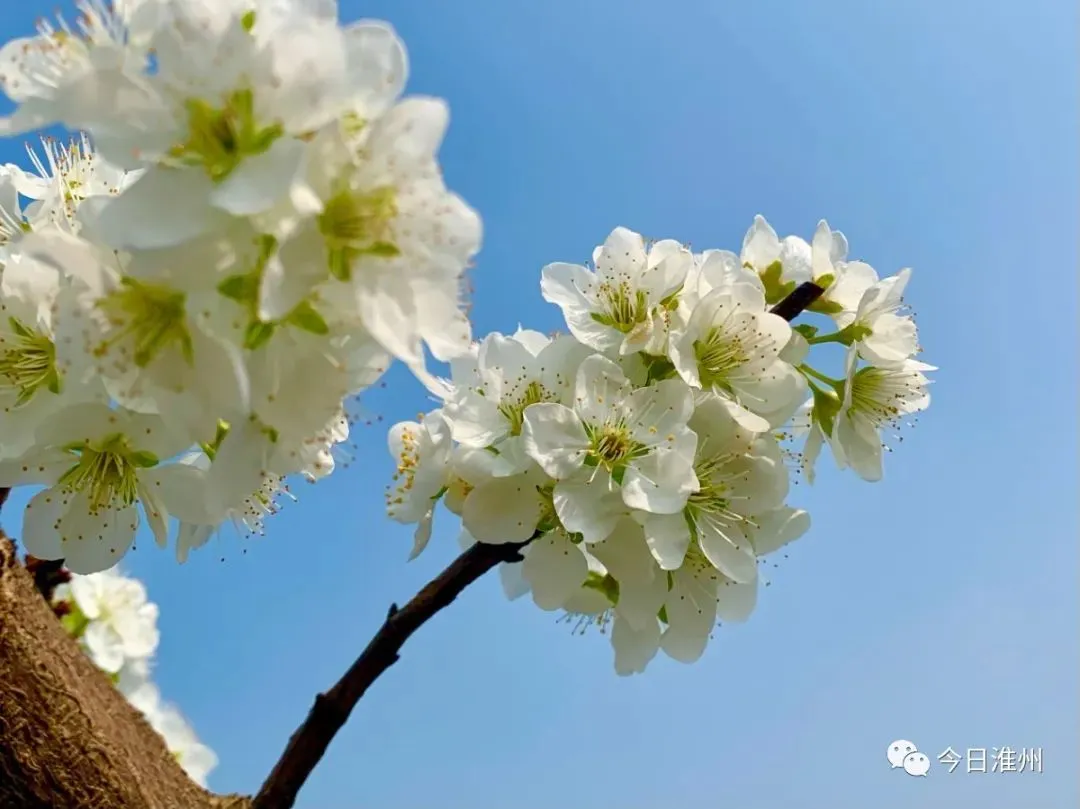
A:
(331, 710)
(804, 295)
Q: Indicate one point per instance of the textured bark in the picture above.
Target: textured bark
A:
(68, 738)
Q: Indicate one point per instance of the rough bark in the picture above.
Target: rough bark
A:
(68, 738)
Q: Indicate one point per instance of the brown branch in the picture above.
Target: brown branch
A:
(331, 710)
(804, 295)
(68, 737)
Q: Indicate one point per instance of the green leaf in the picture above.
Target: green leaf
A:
(240, 288)
(382, 250)
(340, 264)
(257, 334)
(143, 459)
(306, 318)
(806, 330)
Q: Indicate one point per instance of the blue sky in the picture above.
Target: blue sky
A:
(939, 605)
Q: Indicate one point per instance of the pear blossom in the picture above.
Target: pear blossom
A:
(511, 377)
(883, 337)
(35, 379)
(875, 399)
(122, 623)
(624, 306)
(783, 264)
(740, 475)
(423, 452)
(389, 244)
(98, 464)
(636, 439)
(731, 346)
(140, 330)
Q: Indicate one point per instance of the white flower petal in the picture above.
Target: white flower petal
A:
(554, 568)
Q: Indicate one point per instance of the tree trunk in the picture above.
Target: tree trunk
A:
(68, 738)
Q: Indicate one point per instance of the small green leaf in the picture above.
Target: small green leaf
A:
(257, 334)
(306, 318)
(806, 330)
(824, 307)
(240, 288)
(340, 264)
(382, 250)
(143, 459)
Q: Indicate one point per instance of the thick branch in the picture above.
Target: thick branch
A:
(332, 709)
(68, 738)
(67, 735)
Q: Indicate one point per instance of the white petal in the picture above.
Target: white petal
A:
(378, 65)
(600, 387)
(728, 550)
(554, 438)
(95, 542)
(736, 601)
(588, 506)
(476, 420)
(668, 537)
(554, 568)
(513, 581)
(660, 410)
(104, 646)
(162, 208)
(41, 521)
(777, 528)
(691, 612)
(634, 648)
(761, 245)
(261, 180)
(661, 482)
(502, 510)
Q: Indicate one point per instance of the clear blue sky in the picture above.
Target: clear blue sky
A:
(939, 605)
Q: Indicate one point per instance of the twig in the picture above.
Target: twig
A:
(48, 575)
(798, 300)
(331, 710)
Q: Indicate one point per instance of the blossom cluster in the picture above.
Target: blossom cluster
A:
(249, 227)
(110, 616)
(642, 459)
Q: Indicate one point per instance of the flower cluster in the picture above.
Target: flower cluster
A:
(251, 225)
(641, 459)
(111, 618)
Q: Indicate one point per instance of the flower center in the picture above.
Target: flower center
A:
(713, 503)
(718, 356)
(107, 472)
(612, 446)
(514, 410)
(358, 224)
(150, 316)
(219, 138)
(713, 495)
(883, 396)
(27, 363)
(623, 309)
